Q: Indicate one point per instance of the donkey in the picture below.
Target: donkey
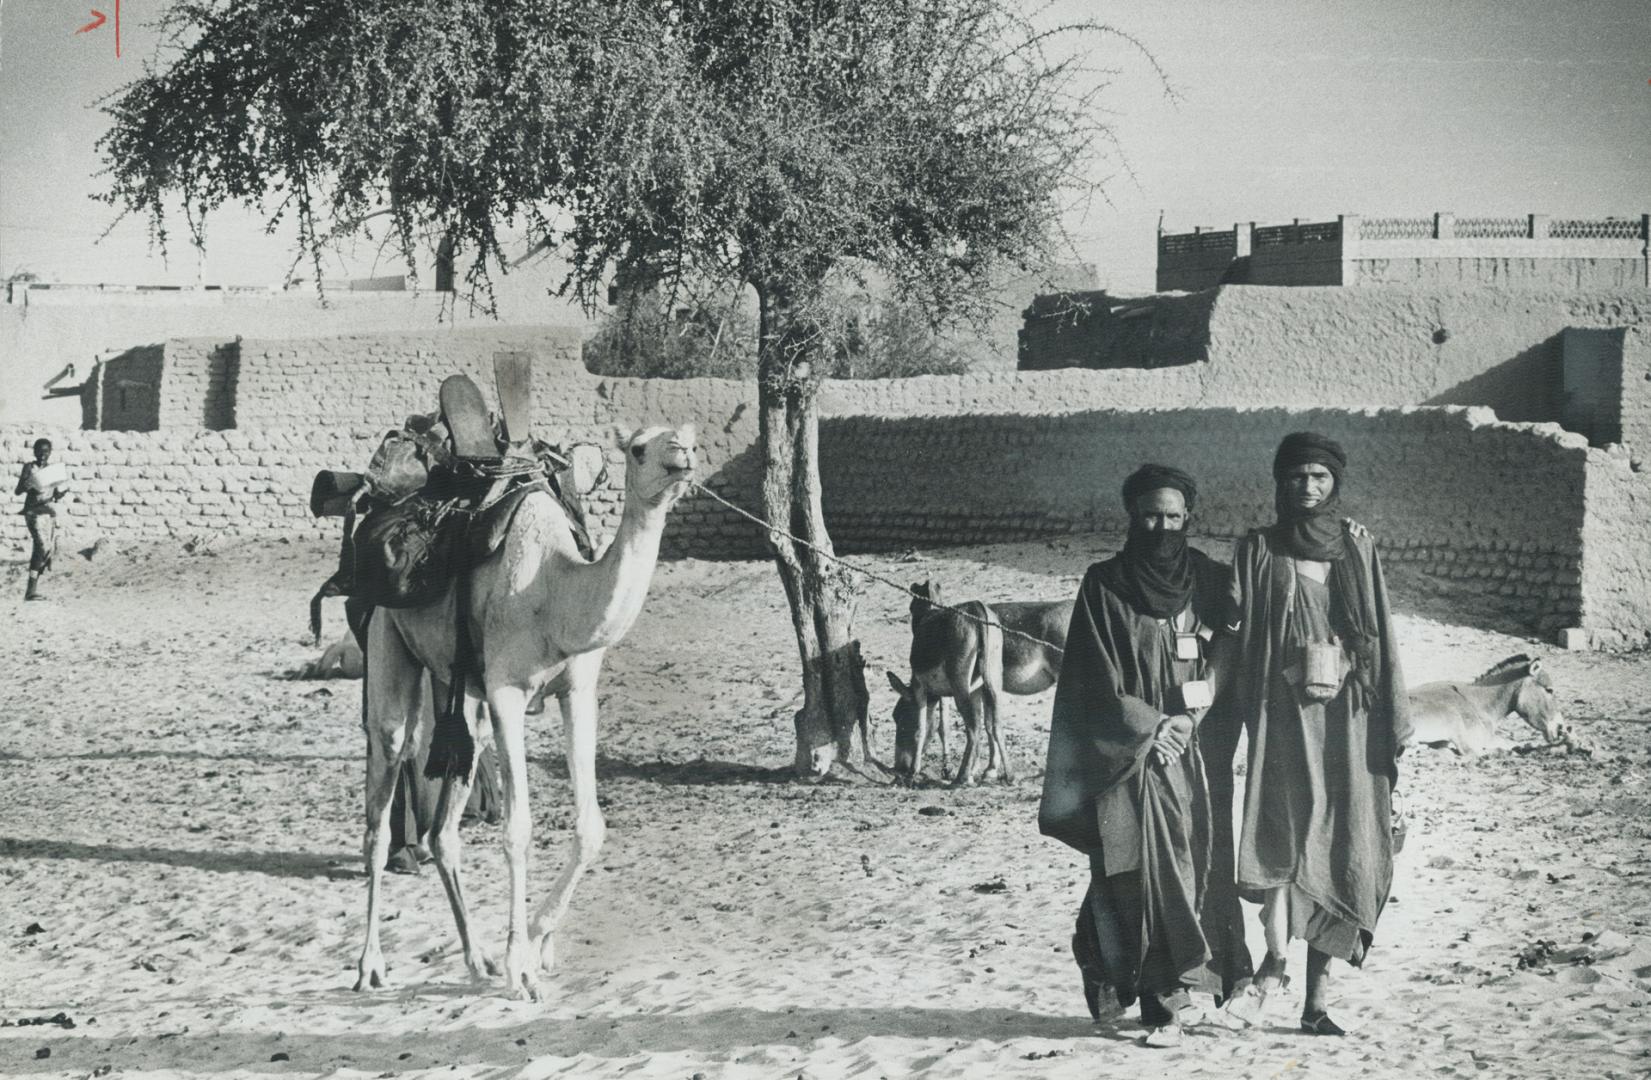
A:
(973, 661)
(1463, 716)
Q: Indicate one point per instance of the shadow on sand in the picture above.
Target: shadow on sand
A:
(716, 1033)
(294, 864)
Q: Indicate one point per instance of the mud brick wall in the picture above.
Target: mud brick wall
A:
(377, 380)
(1247, 345)
(198, 384)
(128, 390)
(1634, 402)
(133, 486)
(1472, 507)
(1616, 555)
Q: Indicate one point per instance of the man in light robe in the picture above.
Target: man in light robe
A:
(1316, 679)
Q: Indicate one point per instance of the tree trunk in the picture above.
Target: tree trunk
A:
(821, 593)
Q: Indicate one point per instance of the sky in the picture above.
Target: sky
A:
(1281, 109)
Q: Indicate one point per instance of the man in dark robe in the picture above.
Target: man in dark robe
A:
(1125, 782)
(1318, 684)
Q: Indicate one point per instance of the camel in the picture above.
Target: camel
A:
(1463, 716)
(542, 617)
(973, 661)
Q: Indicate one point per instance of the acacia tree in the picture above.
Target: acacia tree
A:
(781, 144)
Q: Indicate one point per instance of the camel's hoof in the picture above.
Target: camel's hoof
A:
(547, 952)
(371, 976)
(527, 988)
(483, 968)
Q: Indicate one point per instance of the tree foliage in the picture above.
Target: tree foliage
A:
(780, 145)
(764, 141)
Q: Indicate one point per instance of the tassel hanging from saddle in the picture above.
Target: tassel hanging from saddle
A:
(452, 746)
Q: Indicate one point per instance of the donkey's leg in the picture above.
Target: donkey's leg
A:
(936, 718)
(447, 848)
(509, 707)
(590, 828)
(991, 697)
(924, 705)
(392, 692)
(968, 705)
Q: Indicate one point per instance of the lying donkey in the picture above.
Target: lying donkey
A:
(1463, 716)
(973, 661)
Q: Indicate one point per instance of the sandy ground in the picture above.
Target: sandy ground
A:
(179, 877)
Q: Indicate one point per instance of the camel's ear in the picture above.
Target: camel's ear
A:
(1535, 666)
(624, 436)
(899, 687)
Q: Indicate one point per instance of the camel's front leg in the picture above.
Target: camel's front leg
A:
(391, 696)
(445, 845)
(509, 707)
(590, 828)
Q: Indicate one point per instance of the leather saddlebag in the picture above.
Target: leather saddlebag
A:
(403, 555)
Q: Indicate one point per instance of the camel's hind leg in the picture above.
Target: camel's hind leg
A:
(590, 829)
(509, 707)
(393, 691)
(446, 846)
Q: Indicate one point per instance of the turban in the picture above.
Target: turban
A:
(1152, 478)
(1309, 448)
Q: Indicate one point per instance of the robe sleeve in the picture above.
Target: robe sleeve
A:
(1098, 733)
(1391, 696)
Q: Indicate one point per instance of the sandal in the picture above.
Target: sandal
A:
(1249, 1002)
(1320, 1024)
(1164, 1037)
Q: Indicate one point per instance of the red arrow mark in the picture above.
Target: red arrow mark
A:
(95, 23)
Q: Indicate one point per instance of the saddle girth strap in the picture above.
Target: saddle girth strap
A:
(452, 746)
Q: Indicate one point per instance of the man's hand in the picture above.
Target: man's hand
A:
(1354, 527)
(1172, 739)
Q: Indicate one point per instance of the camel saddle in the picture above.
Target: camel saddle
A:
(436, 499)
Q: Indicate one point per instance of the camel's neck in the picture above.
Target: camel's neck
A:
(607, 595)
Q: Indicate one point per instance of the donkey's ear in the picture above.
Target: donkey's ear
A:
(899, 687)
(1535, 666)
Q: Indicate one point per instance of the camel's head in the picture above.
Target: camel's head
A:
(659, 464)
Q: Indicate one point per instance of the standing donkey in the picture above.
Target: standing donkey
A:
(966, 655)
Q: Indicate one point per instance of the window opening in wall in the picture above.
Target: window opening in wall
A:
(1591, 383)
